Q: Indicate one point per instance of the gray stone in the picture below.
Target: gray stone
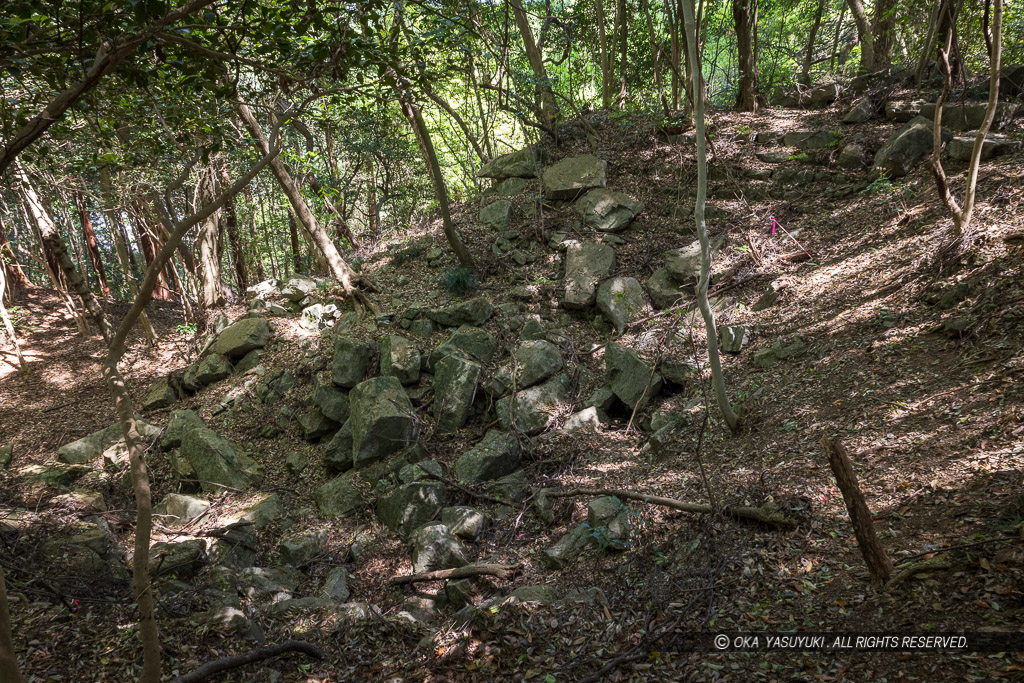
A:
(338, 452)
(235, 547)
(455, 382)
(249, 361)
(411, 505)
(970, 116)
(314, 424)
(772, 156)
(533, 330)
(522, 164)
(586, 264)
(336, 585)
(851, 157)
(263, 290)
(332, 402)
(532, 410)
(295, 462)
(609, 522)
(768, 297)
(260, 513)
(421, 471)
(621, 300)
(298, 288)
(901, 111)
(567, 548)
(513, 488)
(434, 547)
(862, 110)
(108, 443)
(302, 548)
(569, 177)
(532, 362)
(470, 342)
(351, 360)
(383, 420)
(809, 140)
(495, 456)
(421, 327)
(608, 211)
(465, 522)
(815, 97)
(679, 372)
(734, 337)
(780, 349)
(180, 558)
(589, 419)
(243, 336)
(496, 216)
(212, 368)
(906, 148)
(631, 379)
(292, 606)
(664, 291)
(176, 509)
(511, 187)
(341, 496)
(232, 620)
(216, 461)
(603, 399)
(317, 317)
(160, 395)
(683, 264)
(962, 146)
(472, 312)
(400, 358)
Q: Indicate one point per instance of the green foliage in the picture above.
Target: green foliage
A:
(837, 138)
(187, 329)
(801, 156)
(459, 280)
(880, 185)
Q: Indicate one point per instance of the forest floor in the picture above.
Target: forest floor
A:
(932, 420)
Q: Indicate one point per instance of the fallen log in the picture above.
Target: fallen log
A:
(502, 571)
(257, 655)
(766, 514)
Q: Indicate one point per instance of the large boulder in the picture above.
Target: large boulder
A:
(632, 380)
(531, 410)
(470, 342)
(663, 289)
(586, 264)
(263, 290)
(906, 148)
(241, 337)
(569, 177)
(212, 368)
(851, 158)
(332, 402)
(340, 497)
(970, 115)
(475, 311)
(338, 452)
(411, 506)
(180, 423)
(177, 558)
(455, 381)
(608, 211)
(962, 146)
(400, 358)
(466, 522)
(301, 548)
(176, 509)
(815, 97)
(496, 215)
(216, 461)
(108, 442)
(298, 288)
(683, 264)
(383, 419)
(609, 521)
(351, 360)
(522, 164)
(861, 111)
(622, 299)
(435, 547)
(496, 456)
(1011, 81)
(160, 395)
(533, 361)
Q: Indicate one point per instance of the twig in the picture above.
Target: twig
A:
(502, 571)
(468, 491)
(257, 655)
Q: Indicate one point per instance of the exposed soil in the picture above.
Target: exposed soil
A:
(932, 420)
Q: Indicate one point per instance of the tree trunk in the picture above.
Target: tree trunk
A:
(337, 266)
(8, 659)
(9, 328)
(94, 250)
(602, 37)
(293, 238)
(52, 239)
(372, 224)
(867, 43)
(412, 114)
(231, 222)
(924, 60)
(150, 245)
(655, 56)
(884, 27)
(207, 246)
(744, 13)
(15, 275)
(717, 379)
(548, 105)
(839, 31)
(805, 69)
(676, 61)
(622, 28)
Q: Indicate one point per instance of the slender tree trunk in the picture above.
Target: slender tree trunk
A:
(412, 114)
(622, 28)
(9, 259)
(867, 42)
(94, 250)
(839, 32)
(9, 671)
(676, 61)
(602, 37)
(231, 221)
(9, 327)
(928, 49)
(655, 56)
(338, 268)
(717, 378)
(207, 246)
(805, 69)
(52, 239)
(548, 105)
(372, 224)
(293, 235)
(150, 245)
(744, 14)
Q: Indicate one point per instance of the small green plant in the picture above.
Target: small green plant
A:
(743, 130)
(837, 138)
(460, 280)
(802, 156)
(187, 329)
(880, 185)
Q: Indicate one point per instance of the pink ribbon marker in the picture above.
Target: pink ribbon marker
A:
(773, 226)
